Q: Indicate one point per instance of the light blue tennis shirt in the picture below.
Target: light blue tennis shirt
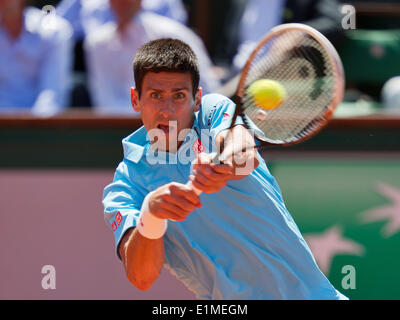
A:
(242, 243)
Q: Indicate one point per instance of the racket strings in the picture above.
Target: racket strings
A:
(292, 68)
(301, 65)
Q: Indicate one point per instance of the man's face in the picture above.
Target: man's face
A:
(166, 104)
(125, 8)
(6, 5)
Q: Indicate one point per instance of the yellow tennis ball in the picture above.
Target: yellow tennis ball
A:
(267, 94)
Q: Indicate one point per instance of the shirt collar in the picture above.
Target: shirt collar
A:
(134, 144)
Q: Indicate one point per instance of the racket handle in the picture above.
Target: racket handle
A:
(190, 185)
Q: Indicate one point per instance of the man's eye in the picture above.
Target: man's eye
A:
(155, 95)
(180, 95)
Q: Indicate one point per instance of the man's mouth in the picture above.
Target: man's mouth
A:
(164, 128)
(168, 127)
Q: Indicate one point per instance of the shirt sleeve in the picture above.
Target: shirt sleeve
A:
(216, 115)
(122, 201)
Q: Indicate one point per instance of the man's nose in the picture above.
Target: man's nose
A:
(167, 107)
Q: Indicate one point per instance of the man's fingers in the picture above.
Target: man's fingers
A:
(166, 214)
(172, 211)
(211, 174)
(225, 168)
(180, 202)
(187, 193)
(208, 161)
(203, 184)
(204, 180)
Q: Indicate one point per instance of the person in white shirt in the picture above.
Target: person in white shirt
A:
(110, 51)
(87, 15)
(35, 60)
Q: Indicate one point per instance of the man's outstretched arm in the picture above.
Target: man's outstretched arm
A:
(142, 258)
(142, 254)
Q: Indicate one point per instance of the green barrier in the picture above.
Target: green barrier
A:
(371, 56)
(349, 212)
(96, 143)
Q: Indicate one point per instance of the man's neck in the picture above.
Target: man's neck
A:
(123, 25)
(125, 20)
(12, 21)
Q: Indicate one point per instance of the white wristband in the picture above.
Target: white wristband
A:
(148, 225)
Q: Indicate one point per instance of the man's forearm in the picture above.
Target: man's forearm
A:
(143, 258)
(235, 141)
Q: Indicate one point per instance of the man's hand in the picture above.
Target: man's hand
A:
(210, 177)
(238, 150)
(174, 201)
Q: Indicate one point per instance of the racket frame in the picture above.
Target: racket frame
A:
(335, 61)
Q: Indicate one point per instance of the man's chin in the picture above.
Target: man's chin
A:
(169, 147)
(172, 148)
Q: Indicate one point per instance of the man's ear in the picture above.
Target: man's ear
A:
(135, 99)
(197, 99)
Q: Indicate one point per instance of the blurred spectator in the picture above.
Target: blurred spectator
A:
(391, 93)
(87, 15)
(259, 16)
(35, 59)
(225, 17)
(173, 9)
(111, 49)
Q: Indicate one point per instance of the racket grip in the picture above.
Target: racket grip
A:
(190, 185)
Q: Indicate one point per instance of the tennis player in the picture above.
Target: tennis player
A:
(236, 240)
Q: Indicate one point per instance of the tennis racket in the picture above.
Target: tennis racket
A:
(309, 68)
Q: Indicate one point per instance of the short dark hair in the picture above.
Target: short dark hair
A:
(166, 55)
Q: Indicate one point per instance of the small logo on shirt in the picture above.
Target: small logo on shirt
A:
(117, 221)
(226, 115)
(198, 147)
